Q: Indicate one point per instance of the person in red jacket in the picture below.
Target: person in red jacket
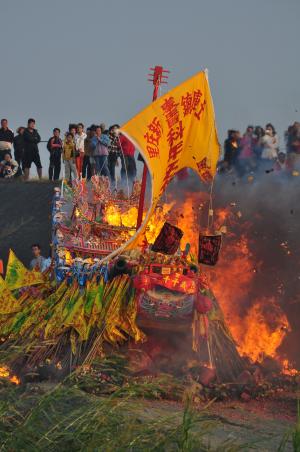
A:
(128, 169)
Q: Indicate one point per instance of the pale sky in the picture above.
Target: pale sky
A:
(69, 60)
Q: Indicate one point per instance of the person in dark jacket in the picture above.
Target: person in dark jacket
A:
(19, 146)
(55, 146)
(232, 149)
(86, 166)
(114, 151)
(6, 139)
(31, 150)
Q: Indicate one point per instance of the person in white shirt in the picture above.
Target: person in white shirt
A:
(79, 138)
(270, 143)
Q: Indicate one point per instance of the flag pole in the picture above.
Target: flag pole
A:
(158, 76)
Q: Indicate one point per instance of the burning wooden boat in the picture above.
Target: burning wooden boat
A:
(109, 281)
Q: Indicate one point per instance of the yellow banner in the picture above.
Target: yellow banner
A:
(18, 276)
(176, 131)
(8, 303)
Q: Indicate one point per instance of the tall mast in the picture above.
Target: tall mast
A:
(158, 76)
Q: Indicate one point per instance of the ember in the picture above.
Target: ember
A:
(287, 369)
(6, 374)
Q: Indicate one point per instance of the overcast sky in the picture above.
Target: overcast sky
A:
(71, 60)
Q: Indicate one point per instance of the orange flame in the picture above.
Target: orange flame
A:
(287, 369)
(5, 373)
(117, 217)
(257, 325)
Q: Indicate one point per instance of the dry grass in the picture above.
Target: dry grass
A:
(69, 419)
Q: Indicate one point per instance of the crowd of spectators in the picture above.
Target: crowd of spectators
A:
(96, 150)
(258, 148)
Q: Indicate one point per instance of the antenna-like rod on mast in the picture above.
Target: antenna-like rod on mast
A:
(158, 77)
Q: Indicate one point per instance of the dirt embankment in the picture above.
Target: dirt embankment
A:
(25, 211)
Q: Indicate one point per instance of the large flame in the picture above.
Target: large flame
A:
(116, 216)
(257, 324)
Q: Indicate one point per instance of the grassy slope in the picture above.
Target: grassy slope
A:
(25, 210)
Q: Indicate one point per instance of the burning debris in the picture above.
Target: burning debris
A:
(5, 374)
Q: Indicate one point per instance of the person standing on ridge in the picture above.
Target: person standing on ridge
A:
(69, 157)
(19, 146)
(6, 139)
(99, 145)
(54, 146)
(31, 150)
(86, 167)
(80, 137)
(270, 143)
(247, 156)
(231, 149)
(114, 151)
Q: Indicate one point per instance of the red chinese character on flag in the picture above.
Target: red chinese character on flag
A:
(204, 170)
(187, 104)
(197, 114)
(156, 131)
(170, 172)
(175, 150)
(175, 133)
(153, 152)
(206, 175)
(153, 136)
(202, 165)
(170, 109)
(191, 102)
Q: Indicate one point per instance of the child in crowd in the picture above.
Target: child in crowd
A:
(9, 168)
(69, 157)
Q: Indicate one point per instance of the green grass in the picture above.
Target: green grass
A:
(293, 434)
(67, 418)
(296, 431)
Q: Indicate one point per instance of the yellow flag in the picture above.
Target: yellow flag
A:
(176, 131)
(18, 276)
(8, 303)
